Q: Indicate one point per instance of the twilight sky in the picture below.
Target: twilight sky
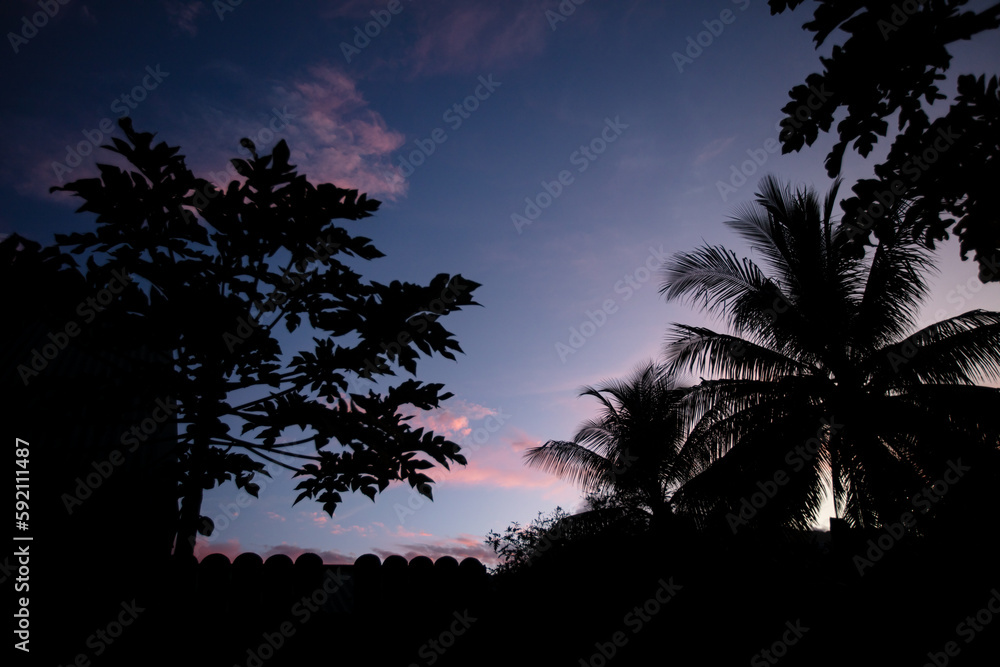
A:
(557, 158)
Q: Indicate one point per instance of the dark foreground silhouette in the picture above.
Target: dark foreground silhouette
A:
(104, 591)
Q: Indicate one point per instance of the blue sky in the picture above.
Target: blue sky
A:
(460, 117)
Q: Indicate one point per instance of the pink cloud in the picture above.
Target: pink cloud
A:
(402, 532)
(494, 457)
(451, 421)
(501, 476)
(464, 546)
(333, 134)
(499, 463)
(493, 448)
(340, 530)
(322, 520)
(228, 548)
(522, 441)
(275, 515)
(336, 138)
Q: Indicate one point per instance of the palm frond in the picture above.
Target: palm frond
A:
(710, 277)
(689, 348)
(571, 461)
(893, 291)
(963, 349)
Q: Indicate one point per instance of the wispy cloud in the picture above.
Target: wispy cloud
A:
(493, 447)
(399, 531)
(334, 135)
(337, 137)
(452, 420)
(459, 37)
(338, 529)
(185, 14)
(712, 149)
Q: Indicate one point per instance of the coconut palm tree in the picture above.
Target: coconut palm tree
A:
(822, 380)
(634, 451)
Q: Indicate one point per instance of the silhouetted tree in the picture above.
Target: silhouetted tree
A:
(635, 450)
(603, 519)
(823, 376)
(214, 274)
(519, 546)
(891, 62)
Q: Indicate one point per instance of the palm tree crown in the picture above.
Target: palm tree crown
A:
(634, 450)
(822, 377)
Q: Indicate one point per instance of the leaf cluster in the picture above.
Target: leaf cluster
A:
(217, 273)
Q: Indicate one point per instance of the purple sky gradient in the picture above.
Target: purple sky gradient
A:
(458, 116)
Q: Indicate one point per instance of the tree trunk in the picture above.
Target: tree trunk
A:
(190, 512)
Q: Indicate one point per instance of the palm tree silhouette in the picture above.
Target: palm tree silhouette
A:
(634, 452)
(823, 377)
